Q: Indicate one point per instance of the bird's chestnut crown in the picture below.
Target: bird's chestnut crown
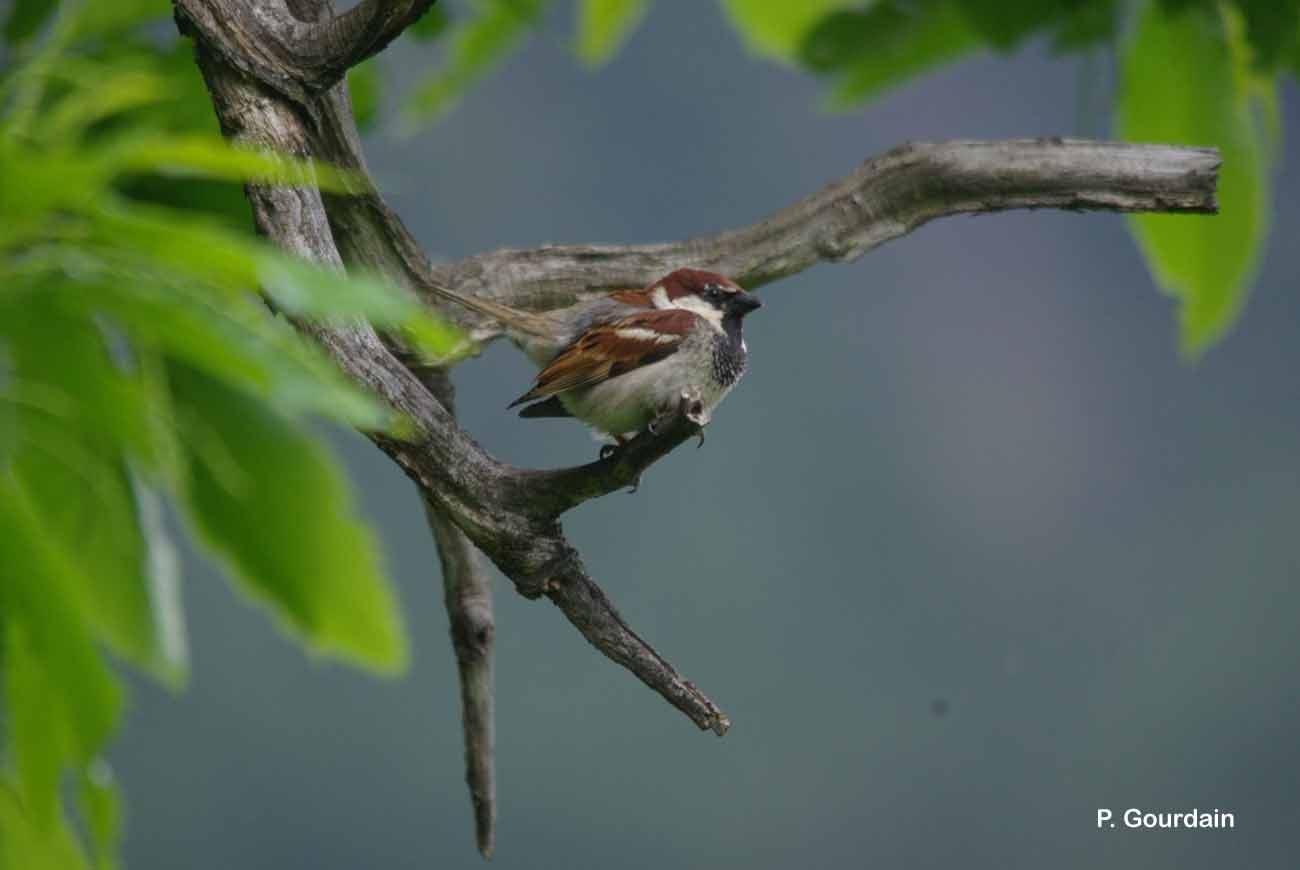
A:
(695, 290)
(717, 290)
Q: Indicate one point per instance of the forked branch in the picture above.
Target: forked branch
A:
(273, 68)
(297, 51)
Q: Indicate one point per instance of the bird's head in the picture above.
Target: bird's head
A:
(708, 294)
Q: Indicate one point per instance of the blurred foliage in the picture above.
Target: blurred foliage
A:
(139, 368)
(903, 42)
(1188, 76)
(603, 25)
(1194, 72)
(478, 42)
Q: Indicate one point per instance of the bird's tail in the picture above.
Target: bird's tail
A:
(520, 321)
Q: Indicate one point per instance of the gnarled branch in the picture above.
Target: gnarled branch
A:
(324, 51)
(510, 514)
(272, 66)
(884, 198)
(298, 51)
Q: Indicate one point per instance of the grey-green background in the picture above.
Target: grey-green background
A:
(968, 555)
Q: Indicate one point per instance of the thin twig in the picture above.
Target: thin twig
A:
(467, 595)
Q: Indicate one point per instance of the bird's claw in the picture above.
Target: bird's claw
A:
(692, 408)
(689, 405)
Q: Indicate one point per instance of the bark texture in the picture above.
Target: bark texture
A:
(467, 595)
(884, 198)
(274, 69)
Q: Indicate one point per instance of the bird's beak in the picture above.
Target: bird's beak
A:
(742, 303)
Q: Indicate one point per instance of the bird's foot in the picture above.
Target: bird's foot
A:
(689, 404)
(692, 407)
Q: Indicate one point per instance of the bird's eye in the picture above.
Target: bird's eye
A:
(713, 292)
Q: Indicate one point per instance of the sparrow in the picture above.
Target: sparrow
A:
(618, 362)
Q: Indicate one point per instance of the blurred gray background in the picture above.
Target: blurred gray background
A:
(969, 554)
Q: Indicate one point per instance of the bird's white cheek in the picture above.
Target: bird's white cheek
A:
(699, 307)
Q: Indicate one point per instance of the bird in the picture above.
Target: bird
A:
(619, 362)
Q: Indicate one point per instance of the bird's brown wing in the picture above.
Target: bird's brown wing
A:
(637, 298)
(608, 350)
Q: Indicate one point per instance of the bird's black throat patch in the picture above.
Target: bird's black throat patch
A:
(729, 353)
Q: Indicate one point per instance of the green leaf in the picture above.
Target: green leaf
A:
(120, 91)
(268, 498)
(25, 846)
(306, 290)
(886, 45)
(102, 808)
(101, 399)
(778, 29)
(38, 758)
(186, 107)
(196, 250)
(238, 341)
(1186, 80)
(1004, 23)
(62, 701)
(212, 157)
(210, 198)
(1086, 25)
(214, 254)
(125, 580)
(1273, 30)
(363, 87)
(603, 26)
(99, 19)
(431, 24)
(478, 44)
(38, 183)
(25, 18)
(72, 460)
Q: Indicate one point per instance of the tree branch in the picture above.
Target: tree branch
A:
(508, 513)
(299, 52)
(325, 51)
(270, 69)
(467, 595)
(886, 197)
